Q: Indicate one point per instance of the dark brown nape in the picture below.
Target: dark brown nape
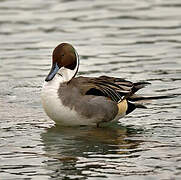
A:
(64, 55)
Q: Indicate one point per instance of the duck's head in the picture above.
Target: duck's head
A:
(65, 62)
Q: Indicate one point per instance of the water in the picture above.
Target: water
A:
(136, 40)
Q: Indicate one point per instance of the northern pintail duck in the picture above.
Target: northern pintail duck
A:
(70, 100)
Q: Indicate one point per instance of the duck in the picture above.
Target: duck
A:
(71, 100)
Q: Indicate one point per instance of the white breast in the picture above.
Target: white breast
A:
(56, 110)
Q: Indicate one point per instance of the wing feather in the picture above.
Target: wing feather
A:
(116, 89)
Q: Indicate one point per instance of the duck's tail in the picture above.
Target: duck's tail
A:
(136, 97)
(135, 101)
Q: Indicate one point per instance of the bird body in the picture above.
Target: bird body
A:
(70, 100)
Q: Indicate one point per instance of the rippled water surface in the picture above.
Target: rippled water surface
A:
(136, 40)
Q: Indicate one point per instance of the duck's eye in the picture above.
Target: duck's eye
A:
(63, 55)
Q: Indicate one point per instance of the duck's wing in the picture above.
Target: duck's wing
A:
(113, 88)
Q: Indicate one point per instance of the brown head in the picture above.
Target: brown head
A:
(64, 56)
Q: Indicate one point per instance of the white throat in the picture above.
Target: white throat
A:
(67, 74)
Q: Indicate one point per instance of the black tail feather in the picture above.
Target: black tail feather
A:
(139, 85)
(132, 107)
(139, 98)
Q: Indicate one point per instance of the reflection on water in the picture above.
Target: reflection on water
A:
(83, 151)
(136, 40)
(86, 137)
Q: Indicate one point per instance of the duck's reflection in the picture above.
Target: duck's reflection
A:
(72, 146)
